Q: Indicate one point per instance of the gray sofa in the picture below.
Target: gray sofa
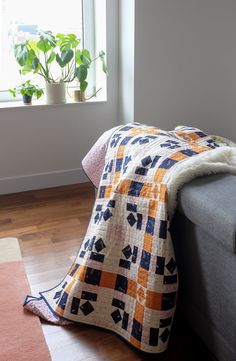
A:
(203, 232)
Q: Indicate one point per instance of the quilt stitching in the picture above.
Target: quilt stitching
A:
(125, 275)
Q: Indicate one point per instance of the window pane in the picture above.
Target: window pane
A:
(20, 20)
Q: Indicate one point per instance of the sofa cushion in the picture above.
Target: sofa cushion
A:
(210, 202)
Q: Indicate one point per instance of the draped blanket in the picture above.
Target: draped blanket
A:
(124, 277)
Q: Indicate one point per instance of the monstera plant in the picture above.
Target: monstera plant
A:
(59, 59)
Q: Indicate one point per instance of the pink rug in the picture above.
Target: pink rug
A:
(21, 335)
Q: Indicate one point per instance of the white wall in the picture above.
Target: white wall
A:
(43, 146)
(176, 65)
(185, 64)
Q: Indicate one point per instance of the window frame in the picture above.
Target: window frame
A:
(89, 41)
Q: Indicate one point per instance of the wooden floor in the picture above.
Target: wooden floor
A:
(50, 225)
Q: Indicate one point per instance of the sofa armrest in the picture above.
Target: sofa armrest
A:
(210, 202)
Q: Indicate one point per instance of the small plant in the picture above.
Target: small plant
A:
(27, 90)
(73, 63)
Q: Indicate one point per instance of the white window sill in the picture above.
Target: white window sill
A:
(42, 103)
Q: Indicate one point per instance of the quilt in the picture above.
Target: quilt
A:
(125, 277)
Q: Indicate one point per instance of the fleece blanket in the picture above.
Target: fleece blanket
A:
(124, 277)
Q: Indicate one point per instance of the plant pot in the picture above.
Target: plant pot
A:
(55, 93)
(79, 96)
(27, 99)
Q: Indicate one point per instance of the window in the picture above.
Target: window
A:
(20, 20)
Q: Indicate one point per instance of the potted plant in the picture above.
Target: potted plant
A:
(59, 60)
(27, 90)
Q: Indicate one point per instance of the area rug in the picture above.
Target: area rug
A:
(21, 335)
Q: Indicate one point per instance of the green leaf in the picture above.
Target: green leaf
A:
(87, 55)
(85, 61)
(26, 69)
(81, 73)
(66, 56)
(84, 57)
(12, 91)
(60, 36)
(72, 37)
(39, 93)
(78, 54)
(83, 85)
(31, 55)
(26, 57)
(35, 63)
(33, 44)
(27, 84)
(75, 42)
(67, 42)
(59, 61)
(102, 53)
(65, 46)
(21, 53)
(43, 45)
(102, 57)
(48, 37)
(51, 57)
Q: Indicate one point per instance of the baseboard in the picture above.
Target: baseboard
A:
(42, 180)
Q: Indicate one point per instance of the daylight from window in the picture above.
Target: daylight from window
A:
(20, 20)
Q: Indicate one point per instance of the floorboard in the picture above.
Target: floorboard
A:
(50, 225)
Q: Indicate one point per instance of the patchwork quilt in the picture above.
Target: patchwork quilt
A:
(124, 277)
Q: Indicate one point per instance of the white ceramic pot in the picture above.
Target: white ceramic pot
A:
(55, 93)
